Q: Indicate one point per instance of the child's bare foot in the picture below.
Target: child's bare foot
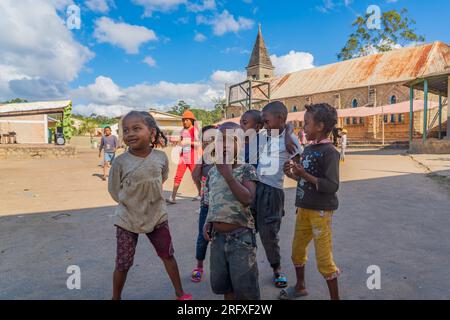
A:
(292, 293)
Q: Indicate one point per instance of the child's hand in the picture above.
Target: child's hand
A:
(298, 169)
(287, 168)
(207, 228)
(225, 170)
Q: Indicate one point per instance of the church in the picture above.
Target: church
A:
(371, 93)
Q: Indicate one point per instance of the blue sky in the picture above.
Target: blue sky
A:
(133, 54)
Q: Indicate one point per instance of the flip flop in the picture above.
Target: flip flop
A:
(185, 297)
(280, 280)
(197, 275)
(291, 294)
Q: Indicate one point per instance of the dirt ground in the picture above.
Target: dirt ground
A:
(56, 213)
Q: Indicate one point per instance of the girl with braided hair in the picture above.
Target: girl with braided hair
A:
(135, 183)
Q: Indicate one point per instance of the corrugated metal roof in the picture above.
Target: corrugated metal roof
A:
(361, 112)
(399, 65)
(33, 106)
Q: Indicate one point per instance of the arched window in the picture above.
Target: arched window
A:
(393, 99)
(354, 103)
(294, 109)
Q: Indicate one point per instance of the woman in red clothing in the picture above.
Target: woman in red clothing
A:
(188, 155)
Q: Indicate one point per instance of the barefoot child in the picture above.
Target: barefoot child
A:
(199, 175)
(318, 181)
(109, 145)
(136, 180)
(269, 201)
(230, 226)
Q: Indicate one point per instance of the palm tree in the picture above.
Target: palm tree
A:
(88, 126)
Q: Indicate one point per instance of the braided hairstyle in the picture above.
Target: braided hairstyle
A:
(151, 123)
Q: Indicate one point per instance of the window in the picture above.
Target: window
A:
(355, 103)
(385, 118)
(392, 118)
(393, 100)
(372, 95)
(354, 120)
(232, 115)
(347, 121)
(294, 109)
(401, 118)
(361, 120)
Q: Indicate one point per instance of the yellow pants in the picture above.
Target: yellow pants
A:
(312, 224)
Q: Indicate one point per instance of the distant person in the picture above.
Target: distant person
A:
(199, 175)
(136, 184)
(317, 174)
(343, 144)
(302, 137)
(188, 154)
(109, 146)
(230, 225)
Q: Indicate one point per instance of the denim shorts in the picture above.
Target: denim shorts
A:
(109, 156)
(233, 264)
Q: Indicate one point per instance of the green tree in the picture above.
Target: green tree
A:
(179, 108)
(396, 28)
(67, 123)
(89, 125)
(16, 100)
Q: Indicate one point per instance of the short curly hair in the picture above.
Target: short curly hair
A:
(323, 112)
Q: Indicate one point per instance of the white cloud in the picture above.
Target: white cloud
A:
(201, 6)
(200, 37)
(126, 36)
(151, 6)
(102, 109)
(293, 61)
(227, 77)
(102, 6)
(107, 98)
(225, 22)
(150, 61)
(35, 45)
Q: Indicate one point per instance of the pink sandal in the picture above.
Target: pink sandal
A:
(197, 275)
(185, 297)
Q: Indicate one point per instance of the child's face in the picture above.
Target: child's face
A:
(248, 122)
(272, 121)
(208, 137)
(107, 131)
(312, 129)
(136, 134)
(229, 146)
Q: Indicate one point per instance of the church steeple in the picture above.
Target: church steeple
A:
(260, 67)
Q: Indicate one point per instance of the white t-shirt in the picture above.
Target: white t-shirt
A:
(273, 157)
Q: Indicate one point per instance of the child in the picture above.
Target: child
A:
(269, 201)
(343, 144)
(199, 175)
(230, 225)
(251, 120)
(316, 200)
(109, 144)
(136, 183)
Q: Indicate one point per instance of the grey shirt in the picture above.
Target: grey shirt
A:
(109, 143)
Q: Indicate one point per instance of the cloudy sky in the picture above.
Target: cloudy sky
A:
(136, 54)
